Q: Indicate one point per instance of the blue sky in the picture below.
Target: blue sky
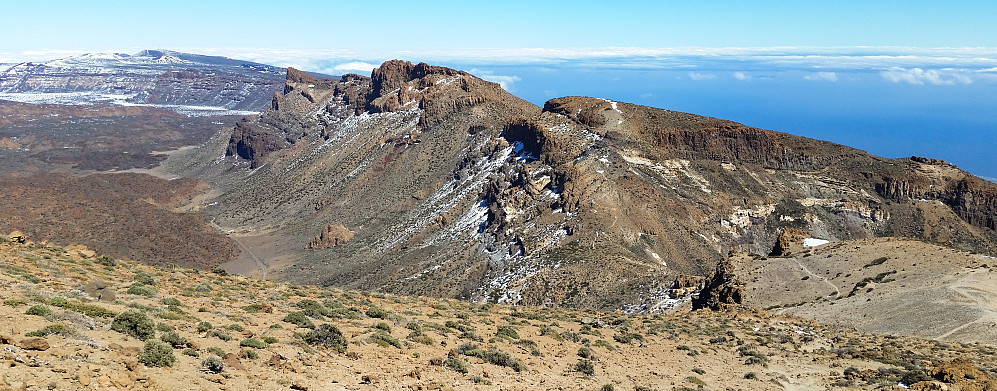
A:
(896, 78)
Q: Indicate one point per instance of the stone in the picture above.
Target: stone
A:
(34, 344)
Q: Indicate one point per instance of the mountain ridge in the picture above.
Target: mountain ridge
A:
(453, 187)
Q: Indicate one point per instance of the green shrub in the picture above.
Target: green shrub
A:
(14, 302)
(93, 311)
(219, 271)
(156, 354)
(258, 307)
(253, 343)
(191, 352)
(235, 327)
(753, 355)
(38, 309)
(163, 327)
(586, 367)
(142, 278)
(507, 332)
(174, 339)
(374, 311)
(213, 364)
(217, 351)
(327, 335)
(249, 354)
(106, 260)
(171, 301)
(134, 323)
(383, 339)
(52, 329)
(204, 326)
(421, 338)
(607, 387)
(298, 318)
(491, 355)
(140, 290)
(221, 334)
(456, 364)
(384, 326)
(604, 344)
(312, 308)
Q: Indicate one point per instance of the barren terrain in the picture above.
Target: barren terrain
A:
(897, 286)
(230, 332)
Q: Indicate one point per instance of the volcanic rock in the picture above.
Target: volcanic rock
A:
(331, 236)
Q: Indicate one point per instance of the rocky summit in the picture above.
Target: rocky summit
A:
(427, 180)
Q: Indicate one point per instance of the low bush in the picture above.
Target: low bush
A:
(586, 367)
(327, 335)
(213, 364)
(298, 318)
(171, 301)
(38, 309)
(384, 339)
(52, 329)
(174, 339)
(253, 343)
(134, 323)
(156, 354)
(455, 364)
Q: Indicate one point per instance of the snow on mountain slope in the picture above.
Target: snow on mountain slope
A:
(186, 83)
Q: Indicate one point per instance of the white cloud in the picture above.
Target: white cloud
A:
(646, 95)
(918, 76)
(822, 76)
(504, 81)
(354, 67)
(701, 76)
(742, 76)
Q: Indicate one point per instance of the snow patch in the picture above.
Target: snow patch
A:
(814, 242)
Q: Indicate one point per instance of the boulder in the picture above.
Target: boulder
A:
(34, 344)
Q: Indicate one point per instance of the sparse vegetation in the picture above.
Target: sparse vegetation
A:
(134, 323)
(456, 364)
(38, 309)
(328, 336)
(213, 364)
(156, 354)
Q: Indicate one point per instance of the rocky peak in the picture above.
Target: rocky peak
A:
(394, 73)
(296, 76)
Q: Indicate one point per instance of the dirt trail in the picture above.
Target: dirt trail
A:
(262, 266)
(970, 289)
(837, 291)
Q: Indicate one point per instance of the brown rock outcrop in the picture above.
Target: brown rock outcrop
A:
(723, 289)
(331, 236)
(790, 241)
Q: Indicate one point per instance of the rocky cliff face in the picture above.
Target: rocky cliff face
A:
(453, 187)
(186, 83)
